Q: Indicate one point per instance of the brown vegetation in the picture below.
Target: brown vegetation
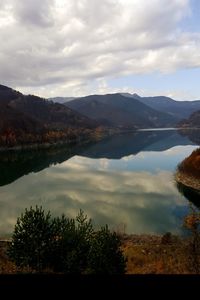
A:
(157, 255)
(146, 254)
(191, 164)
(6, 266)
(10, 137)
(188, 171)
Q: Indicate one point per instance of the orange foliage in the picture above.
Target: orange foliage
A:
(191, 164)
(192, 221)
(11, 137)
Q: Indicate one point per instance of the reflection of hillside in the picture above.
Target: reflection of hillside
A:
(192, 134)
(189, 193)
(13, 165)
(121, 145)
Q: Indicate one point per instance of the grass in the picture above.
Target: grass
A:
(157, 256)
(6, 266)
(146, 254)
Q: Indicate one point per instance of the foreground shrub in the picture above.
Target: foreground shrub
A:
(64, 245)
(71, 246)
(105, 253)
(32, 239)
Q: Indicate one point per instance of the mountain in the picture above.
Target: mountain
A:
(28, 119)
(52, 115)
(48, 114)
(191, 127)
(192, 122)
(12, 118)
(177, 109)
(61, 100)
(121, 111)
(128, 95)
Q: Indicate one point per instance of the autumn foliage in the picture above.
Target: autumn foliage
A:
(191, 164)
(10, 137)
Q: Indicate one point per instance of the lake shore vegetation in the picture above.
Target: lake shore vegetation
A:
(188, 171)
(77, 249)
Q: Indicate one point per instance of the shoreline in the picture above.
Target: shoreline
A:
(81, 140)
(39, 146)
(78, 141)
(188, 181)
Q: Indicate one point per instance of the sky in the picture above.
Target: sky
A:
(75, 48)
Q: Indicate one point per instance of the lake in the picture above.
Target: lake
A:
(125, 181)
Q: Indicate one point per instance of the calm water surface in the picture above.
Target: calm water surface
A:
(125, 181)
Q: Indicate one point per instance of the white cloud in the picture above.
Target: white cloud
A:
(66, 47)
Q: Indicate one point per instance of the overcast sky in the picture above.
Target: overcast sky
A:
(80, 47)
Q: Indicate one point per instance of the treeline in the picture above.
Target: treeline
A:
(42, 243)
(11, 137)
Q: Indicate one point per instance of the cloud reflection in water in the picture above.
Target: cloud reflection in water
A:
(115, 192)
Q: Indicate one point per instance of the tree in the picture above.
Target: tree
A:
(105, 255)
(31, 239)
(70, 248)
(65, 245)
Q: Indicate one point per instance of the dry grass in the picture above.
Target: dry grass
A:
(6, 266)
(146, 254)
(158, 256)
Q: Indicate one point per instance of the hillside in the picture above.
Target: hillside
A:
(178, 109)
(188, 173)
(121, 111)
(30, 119)
(191, 164)
(193, 121)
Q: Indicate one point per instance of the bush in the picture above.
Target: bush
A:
(64, 245)
(32, 239)
(105, 254)
(70, 249)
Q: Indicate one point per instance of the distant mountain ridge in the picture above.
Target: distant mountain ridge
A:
(131, 110)
(28, 118)
(121, 111)
(61, 100)
(178, 109)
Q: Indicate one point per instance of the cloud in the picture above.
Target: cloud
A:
(35, 13)
(69, 46)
